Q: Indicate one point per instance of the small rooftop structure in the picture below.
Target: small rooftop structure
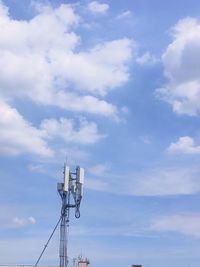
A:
(83, 263)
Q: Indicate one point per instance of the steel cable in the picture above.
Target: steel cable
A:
(48, 241)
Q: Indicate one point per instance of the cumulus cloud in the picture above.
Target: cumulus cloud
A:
(97, 7)
(147, 59)
(24, 221)
(187, 224)
(87, 103)
(102, 68)
(65, 129)
(185, 145)
(41, 59)
(182, 68)
(18, 136)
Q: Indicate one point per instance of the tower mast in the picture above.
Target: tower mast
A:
(71, 192)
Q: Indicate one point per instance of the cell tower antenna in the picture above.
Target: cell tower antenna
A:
(71, 192)
(66, 159)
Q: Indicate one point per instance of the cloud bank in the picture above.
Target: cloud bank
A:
(181, 62)
(42, 61)
(155, 182)
(18, 136)
(187, 224)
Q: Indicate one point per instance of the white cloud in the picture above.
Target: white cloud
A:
(54, 70)
(187, 224)
(124, 15)
(147, 59)
(146, 139)
(97, 185)
(85, 103)
(99, 169)
(37, 168)
(163, 182)
(102, 68)
(24, 221)
(184, 145)
(155, 182)
(3, 9)
(17, 136)
(65, 129)
(182, 68)
(97, 7)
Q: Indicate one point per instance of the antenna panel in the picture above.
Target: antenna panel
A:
(80, 175)
(66, 178)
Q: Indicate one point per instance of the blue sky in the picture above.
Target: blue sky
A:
(114, 87)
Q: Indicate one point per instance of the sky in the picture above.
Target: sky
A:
(114, 87)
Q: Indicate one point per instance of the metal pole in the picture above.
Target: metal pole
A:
(64, 230)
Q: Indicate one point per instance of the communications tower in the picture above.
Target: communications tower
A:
(71, 192)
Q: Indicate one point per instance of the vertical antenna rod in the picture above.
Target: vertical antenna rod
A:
(71, 192)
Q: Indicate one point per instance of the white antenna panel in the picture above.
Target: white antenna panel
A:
(66, 178)
(80, 174)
